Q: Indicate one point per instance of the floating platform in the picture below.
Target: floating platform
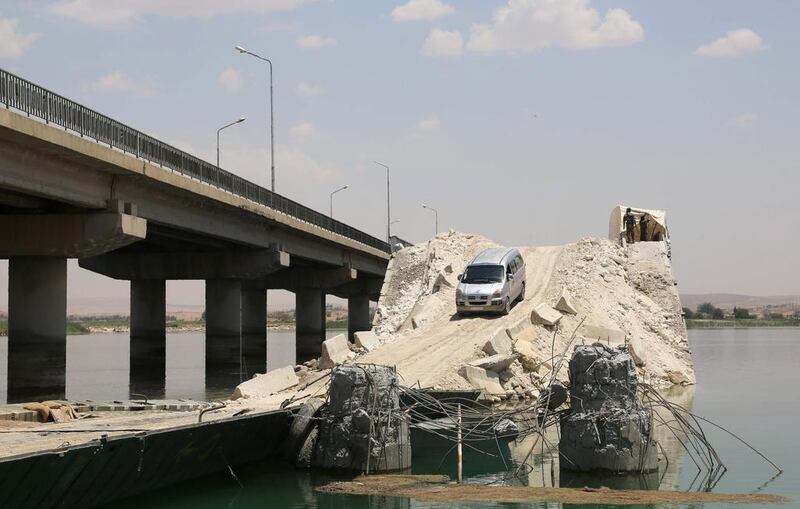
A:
(127, 450)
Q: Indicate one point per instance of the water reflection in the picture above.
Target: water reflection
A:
(100, 366)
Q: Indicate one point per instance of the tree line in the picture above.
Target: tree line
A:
(708, 311)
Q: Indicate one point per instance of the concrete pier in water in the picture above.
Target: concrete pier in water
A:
(607, 428)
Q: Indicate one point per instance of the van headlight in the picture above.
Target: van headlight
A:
(497, 293)
(459, 293)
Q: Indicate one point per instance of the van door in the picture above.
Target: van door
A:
(512, 281)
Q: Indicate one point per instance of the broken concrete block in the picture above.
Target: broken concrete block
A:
(564, 303)
(263, 385)
(487, 381)
(637, 351)
(497, 363)
(527, 355)
(367, 340)
(522, 330)
(545, 315)
(602, 334)
(499, 343)
(334, 351)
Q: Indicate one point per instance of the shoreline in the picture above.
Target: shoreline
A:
(692, 324)
(86, 330)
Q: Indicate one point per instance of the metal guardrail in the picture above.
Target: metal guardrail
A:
(30, 98)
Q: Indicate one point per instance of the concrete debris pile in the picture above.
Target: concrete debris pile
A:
(607, 428)
(592, 290)
(421, 280)
(361, 428)
(627, 296)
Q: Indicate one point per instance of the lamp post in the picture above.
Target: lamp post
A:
(436, 212)
(225, 127)
(336, 191)
(271, 115)
(388, 205)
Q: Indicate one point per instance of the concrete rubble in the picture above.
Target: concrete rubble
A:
(522, 330)
(361, 428)
(487, 381)
(565, 304)
(528, 356)
(622, 296)
(497, 363)
(367, 340)
(607, 427)
(545, 315)
(499, 343)
(335, 351)
(265, 384)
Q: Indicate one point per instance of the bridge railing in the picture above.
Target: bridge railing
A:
(36, 101)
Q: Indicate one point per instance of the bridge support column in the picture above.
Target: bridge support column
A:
(254, 331)
(310, 323)
(37, 328)
(148, 348)
(357, 314)
(223, 332)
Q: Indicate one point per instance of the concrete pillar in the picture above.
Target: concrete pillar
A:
(357, 314)
(254, 331)
(310, 323)
(37, 325)
(148, 349)
(223, 332)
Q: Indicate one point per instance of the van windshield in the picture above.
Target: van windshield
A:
(476, 274)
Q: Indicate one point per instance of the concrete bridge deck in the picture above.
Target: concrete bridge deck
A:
(77, 184)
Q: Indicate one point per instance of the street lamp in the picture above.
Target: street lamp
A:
(340, 189)
(271, 115)
(225, 127)
(436, 212)
(388, 205)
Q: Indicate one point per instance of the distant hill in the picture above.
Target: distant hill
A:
(730, 300)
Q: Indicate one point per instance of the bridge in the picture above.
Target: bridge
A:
(77, 184)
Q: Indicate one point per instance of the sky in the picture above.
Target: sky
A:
(525, 121)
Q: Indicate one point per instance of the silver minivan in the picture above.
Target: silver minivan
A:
(492, 281)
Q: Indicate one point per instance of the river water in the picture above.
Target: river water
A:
(747, 381)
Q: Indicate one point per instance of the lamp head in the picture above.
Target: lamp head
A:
(240, 49)
(242, 119)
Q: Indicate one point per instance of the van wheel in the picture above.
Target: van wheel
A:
(522, 292)
(507, 307)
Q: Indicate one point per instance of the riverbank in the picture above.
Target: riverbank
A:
(746, 323)
(81, 327)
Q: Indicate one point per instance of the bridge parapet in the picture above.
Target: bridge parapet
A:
(39, 102)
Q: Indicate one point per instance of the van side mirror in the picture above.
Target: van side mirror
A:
(510, 276)
(460, 276)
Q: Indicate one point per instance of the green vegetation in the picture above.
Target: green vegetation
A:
(708, 316)
(336, 324)
(728, 323)
(74, 328)
(85, 324)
